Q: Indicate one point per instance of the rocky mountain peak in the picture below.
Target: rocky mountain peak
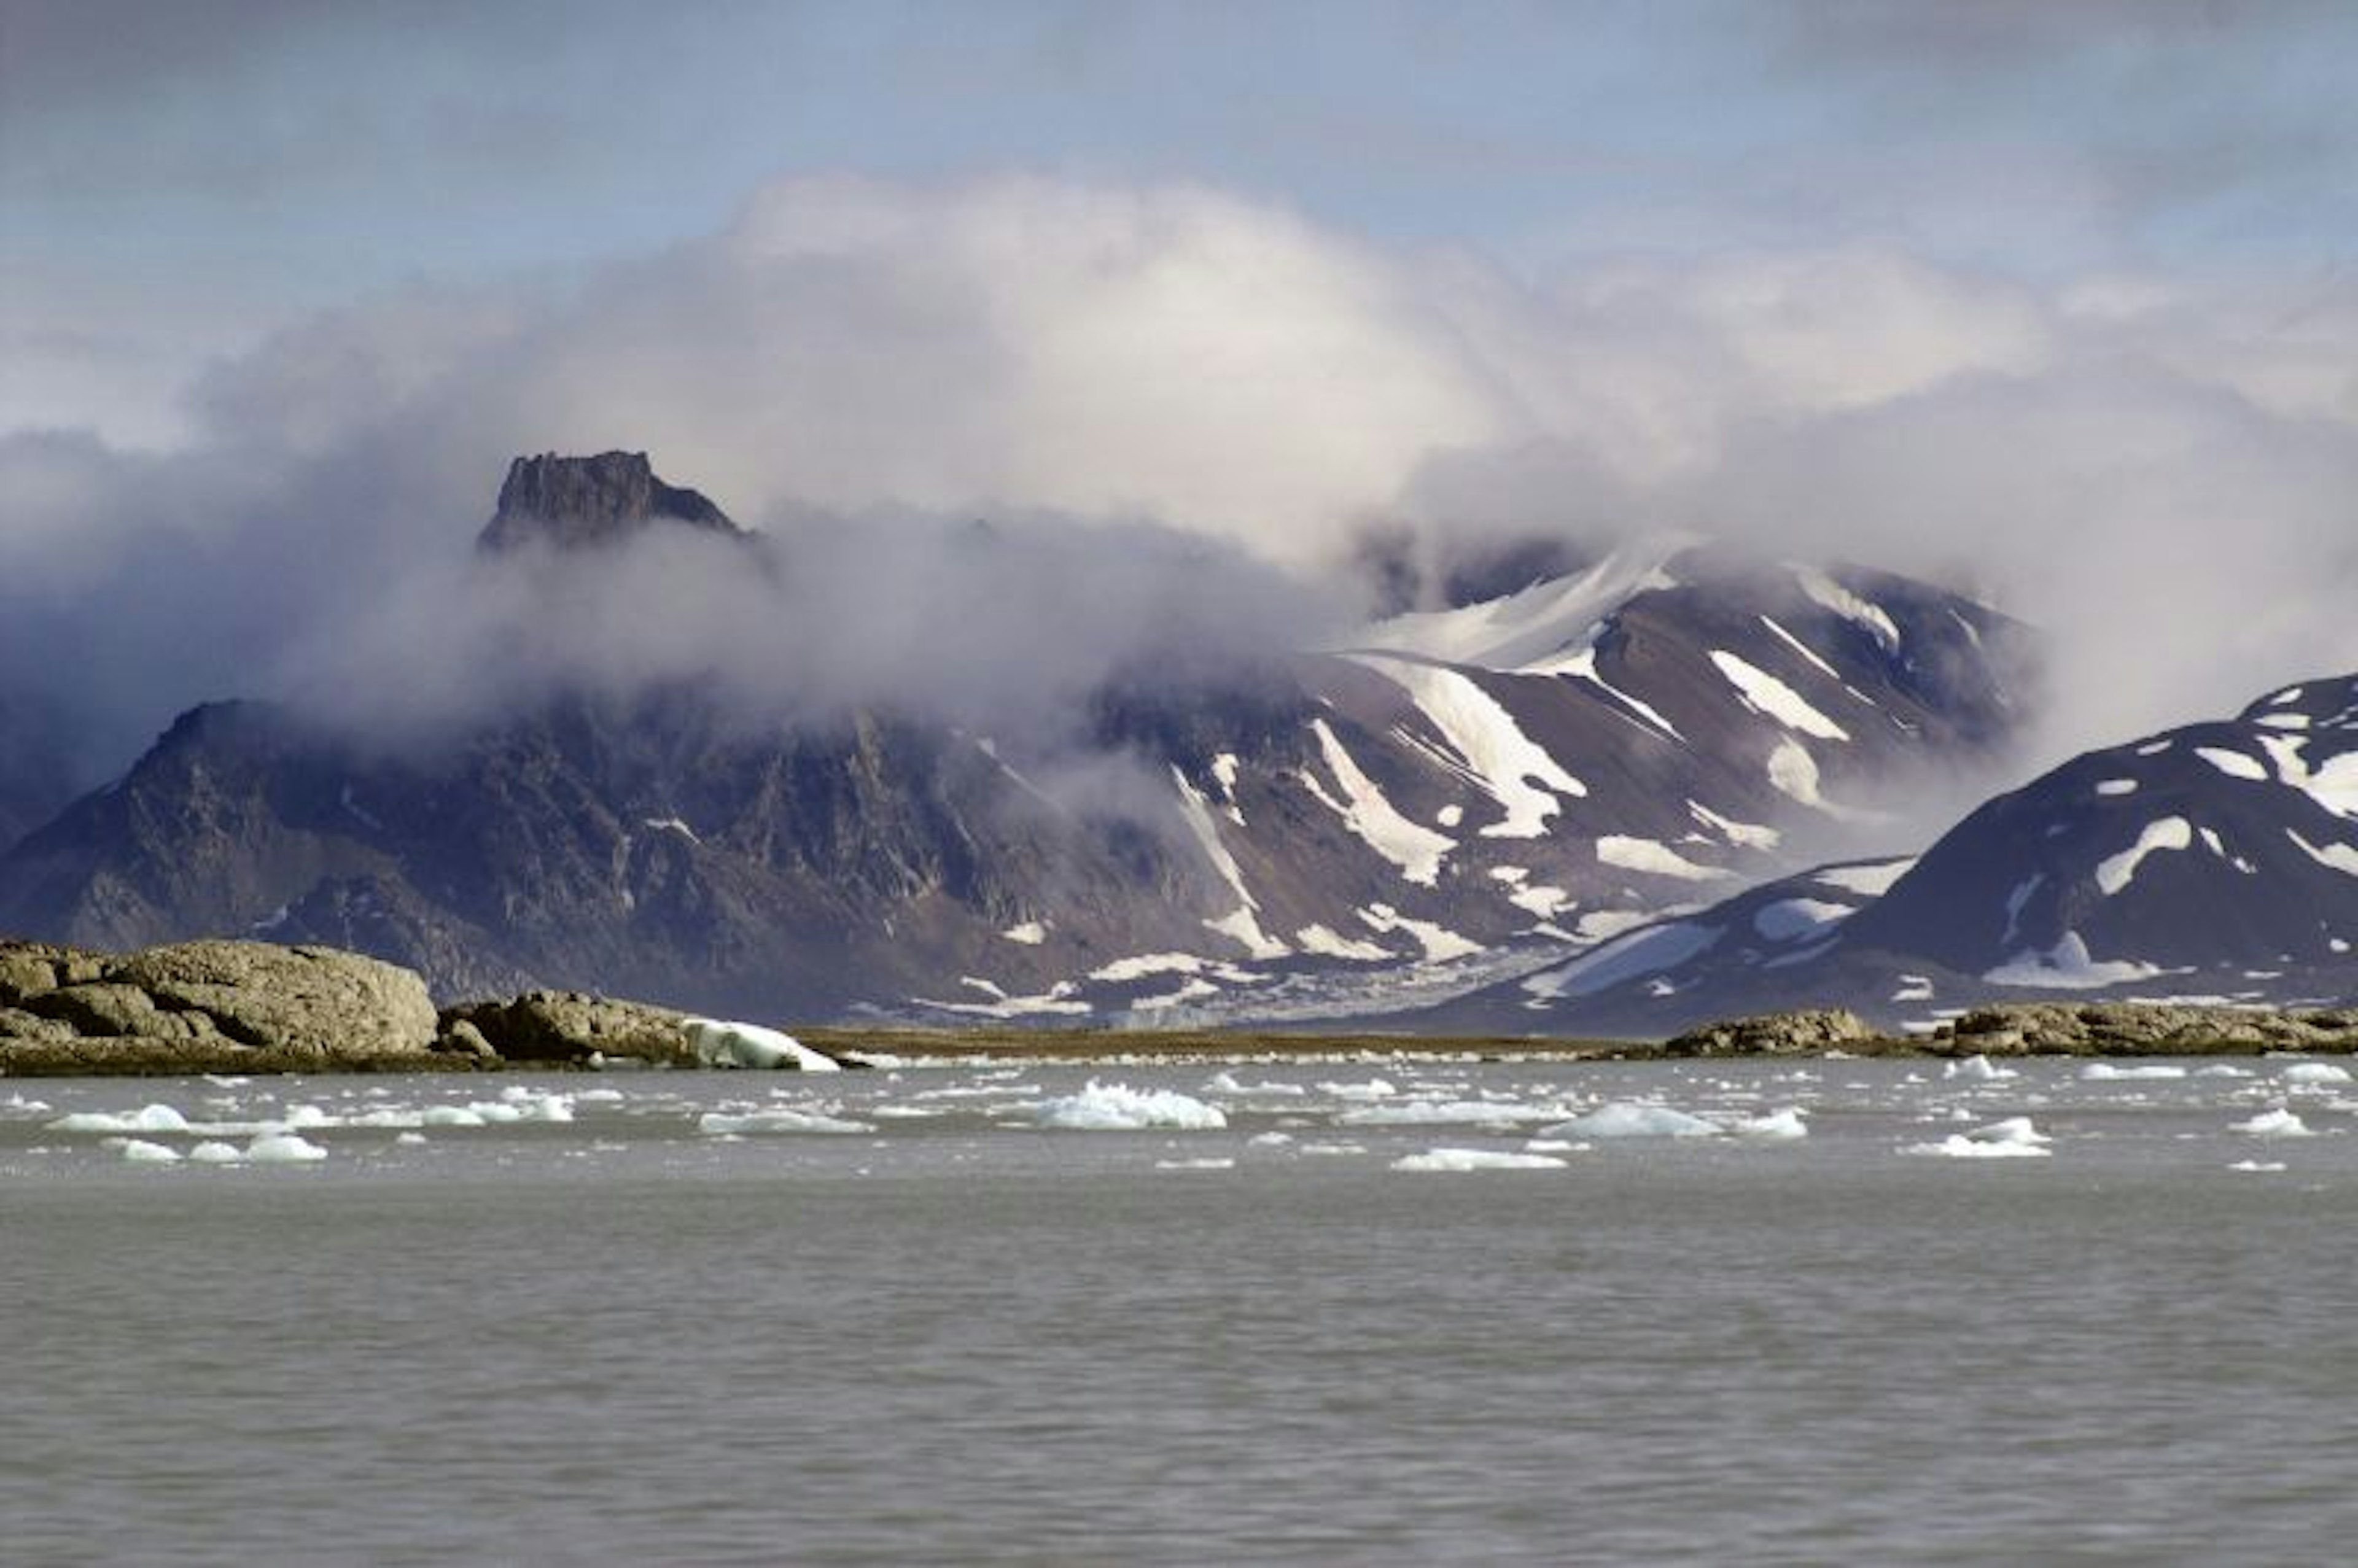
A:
(584, 503)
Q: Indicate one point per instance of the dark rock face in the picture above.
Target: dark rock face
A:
(584, 503)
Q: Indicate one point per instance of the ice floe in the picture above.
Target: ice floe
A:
(1627, 1118)
(1463, 1159)
(2278, 1123)
(1118, 1108)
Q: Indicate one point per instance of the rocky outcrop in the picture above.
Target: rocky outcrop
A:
(584, 502)
(571, 1028)
(208, 1006)
(2144, 1029)
(1809, 1032)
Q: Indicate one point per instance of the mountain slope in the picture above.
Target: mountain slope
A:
(2218, 861)
(1452, 795)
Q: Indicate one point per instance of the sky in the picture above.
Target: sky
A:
(2055, 300)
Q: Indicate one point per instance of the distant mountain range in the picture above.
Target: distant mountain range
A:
(1569, 749)
(2216, 862)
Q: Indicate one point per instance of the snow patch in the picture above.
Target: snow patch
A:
(1440, 944)
(2114, 872)
(1745, 835)
(1789, 918)
(1642, 953)
(1242, 923)
(1030, 934)
(1653, 858)
(1416, 849)
(1828, 594)
(1324, 942)
(1496, 755)
(2068, 966)
(1868, 879)
(1764, 693)
(2333, 857)
(2116, 787)
(2235, 764)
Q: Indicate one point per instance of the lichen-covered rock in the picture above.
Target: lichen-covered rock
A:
(573, 1026)
(1805, 1031)
(205, 1006)
(288, 998)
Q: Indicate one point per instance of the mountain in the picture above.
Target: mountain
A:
(2215, 862)
(1451, 797)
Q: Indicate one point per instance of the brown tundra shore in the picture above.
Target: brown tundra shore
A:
(255, 1006)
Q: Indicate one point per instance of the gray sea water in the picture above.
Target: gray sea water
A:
(909, 1315)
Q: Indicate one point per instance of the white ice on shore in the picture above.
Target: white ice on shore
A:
(721, 1044)
(1118, 1108)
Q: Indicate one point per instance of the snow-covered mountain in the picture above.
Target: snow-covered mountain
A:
(2217, 862)
(1447, 797)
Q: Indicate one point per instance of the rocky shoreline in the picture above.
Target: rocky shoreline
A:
(256, 1007)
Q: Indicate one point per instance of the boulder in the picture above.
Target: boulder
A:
(1807, 1031)
(570, 1027)
(299, 999)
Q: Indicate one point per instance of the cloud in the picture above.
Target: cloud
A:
(1179, 408)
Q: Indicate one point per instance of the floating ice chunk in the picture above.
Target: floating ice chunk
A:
(1778, 1125)
(409, 1140)
(1461, 1160)
(146, 1118)
(1979, 1069)
(2277, 1123)
(213, 1151)
(776, 1118)
(1431, 1113)
(2258, 1166)
(283, 1149)
(1214, 1164)
(2013, 1138)
(141, 1152)
(1118, 1108)
(2107, 1072)
(1624, 1118)
(2316, 1073)
(2221, 1070)
(2012, 1129)
(1374, 1088)
(450, 1115)
(721, 1044)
